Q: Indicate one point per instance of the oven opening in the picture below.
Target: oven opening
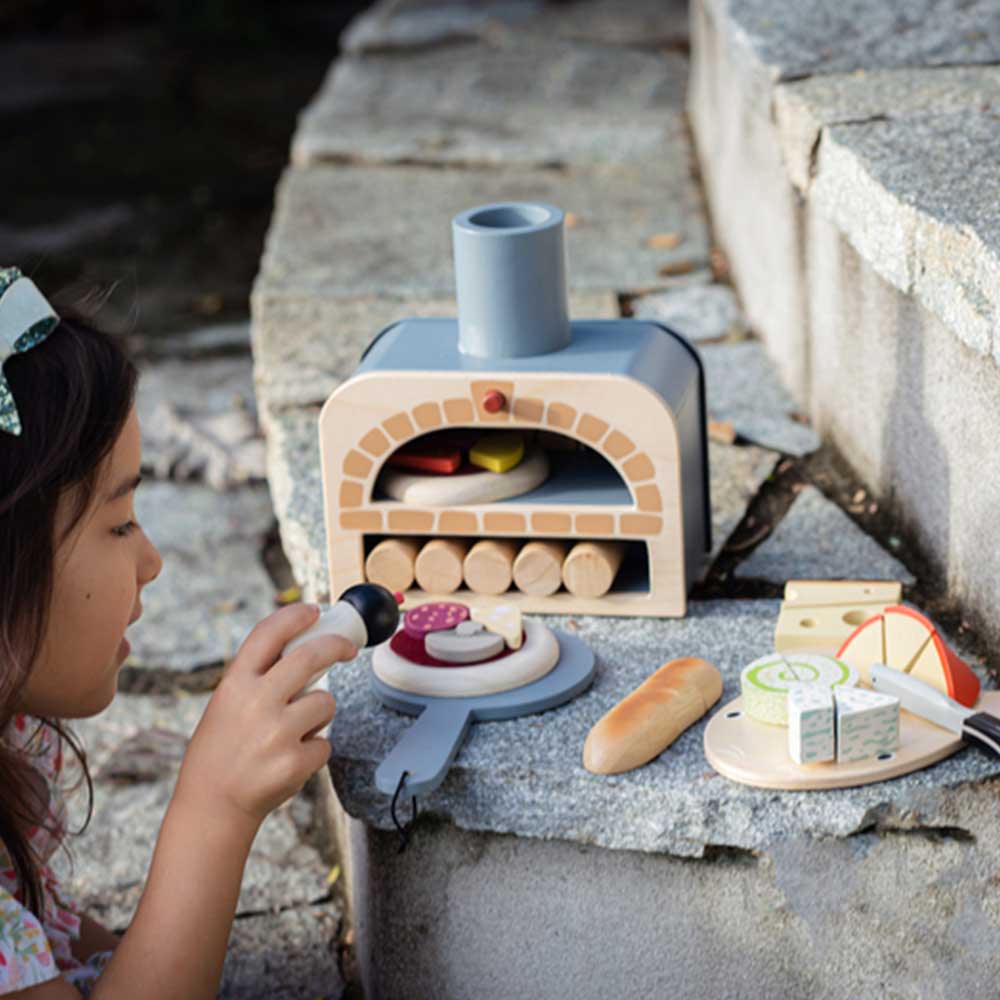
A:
(472, 466)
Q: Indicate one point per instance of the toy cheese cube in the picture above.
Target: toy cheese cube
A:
(867, 724)
(811, 724)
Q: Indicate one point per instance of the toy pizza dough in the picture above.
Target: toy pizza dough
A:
(483, 486)
(536, 657)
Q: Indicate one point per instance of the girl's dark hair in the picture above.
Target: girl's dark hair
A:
(73, 392)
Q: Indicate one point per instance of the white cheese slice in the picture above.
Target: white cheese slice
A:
(867, 724)
(811, 726)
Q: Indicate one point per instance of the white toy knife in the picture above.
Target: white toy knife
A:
(979, 728)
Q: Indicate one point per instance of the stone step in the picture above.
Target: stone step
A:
(850, 156)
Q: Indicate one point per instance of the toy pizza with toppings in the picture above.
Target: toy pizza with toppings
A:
(452, 650)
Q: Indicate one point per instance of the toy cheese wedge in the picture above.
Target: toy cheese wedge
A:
(905, 640)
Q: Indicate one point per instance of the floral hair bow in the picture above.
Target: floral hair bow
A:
(26, 319)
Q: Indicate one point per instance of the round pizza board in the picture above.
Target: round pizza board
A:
(755, 753)
(426, 749)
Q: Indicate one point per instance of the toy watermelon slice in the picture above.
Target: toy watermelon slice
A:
(904, 639)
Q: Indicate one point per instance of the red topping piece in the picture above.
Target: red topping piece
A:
(432, 458)
(434, 617)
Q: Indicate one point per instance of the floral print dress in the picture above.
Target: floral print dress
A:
(33, 951)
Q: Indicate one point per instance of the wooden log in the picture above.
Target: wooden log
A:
(591, 567)
(390, 563)
(489, 566)
(438, 566)
(538, 568)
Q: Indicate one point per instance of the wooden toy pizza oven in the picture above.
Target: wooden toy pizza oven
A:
(625, 396)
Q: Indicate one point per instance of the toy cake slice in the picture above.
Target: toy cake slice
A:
(905, 640)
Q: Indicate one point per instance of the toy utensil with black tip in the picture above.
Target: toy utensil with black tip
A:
(366, 614)
(978, 728)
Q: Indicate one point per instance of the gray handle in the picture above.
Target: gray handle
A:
(425, 751)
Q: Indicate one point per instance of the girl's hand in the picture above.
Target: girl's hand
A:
(257, 742)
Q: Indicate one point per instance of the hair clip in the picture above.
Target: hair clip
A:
(26, 319)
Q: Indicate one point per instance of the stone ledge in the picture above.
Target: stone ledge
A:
(523, 100)
(525, 777)
(350, 232)
(902, 158)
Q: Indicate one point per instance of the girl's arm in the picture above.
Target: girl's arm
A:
(94, 937)
(255, 746)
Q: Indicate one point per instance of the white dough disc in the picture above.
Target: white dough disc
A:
(536, 657)
(424, 490)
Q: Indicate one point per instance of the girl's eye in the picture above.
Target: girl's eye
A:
(123, 530)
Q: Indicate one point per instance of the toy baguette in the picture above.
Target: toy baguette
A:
(645, 722)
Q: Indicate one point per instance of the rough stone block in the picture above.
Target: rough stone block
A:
(213, 587)
(804, 108)
(742, 387)
(914, 410)
(917, 199)
(816, 540)
(756, 212)
(782, 920)
(305, 347)
(352, 232)
(391, 26)
(737, 474)
(699, 312)
(297, 494)
(521, 99)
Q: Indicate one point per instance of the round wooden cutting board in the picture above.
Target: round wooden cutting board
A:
(755, 753)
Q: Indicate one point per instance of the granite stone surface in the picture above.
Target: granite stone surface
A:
(797, 38)
(305, 347)
(290, 955)
(525, 776)
(917, 199)
(526, 100)
(352, 232)
(199, 416)
(213, 587)
(297, 494)
(743, 387)
(804, 108)
(111, 858)
(816, 540)
(392, 26)
(699, 312)
(736, 474)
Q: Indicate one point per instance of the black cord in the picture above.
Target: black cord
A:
(404, 831)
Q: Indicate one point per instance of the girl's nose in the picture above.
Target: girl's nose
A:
(151, 562)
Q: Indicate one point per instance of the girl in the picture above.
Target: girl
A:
(73, 565)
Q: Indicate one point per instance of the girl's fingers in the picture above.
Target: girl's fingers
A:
(318, 751)
(264, 644)
(308, 715)
(305, 663)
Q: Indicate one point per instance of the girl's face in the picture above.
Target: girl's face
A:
(100, 570)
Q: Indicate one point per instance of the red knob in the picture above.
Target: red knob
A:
(494, 401)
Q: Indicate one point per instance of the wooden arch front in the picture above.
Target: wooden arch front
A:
(370, 416)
